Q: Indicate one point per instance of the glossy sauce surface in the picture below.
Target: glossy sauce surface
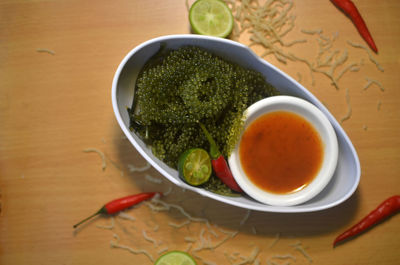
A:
(281, 152)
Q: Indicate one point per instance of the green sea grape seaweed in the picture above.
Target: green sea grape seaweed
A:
(186, 86)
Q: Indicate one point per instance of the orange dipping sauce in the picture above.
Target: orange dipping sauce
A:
(281, 152)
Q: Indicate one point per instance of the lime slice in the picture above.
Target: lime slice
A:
(194, 166)
(175, 258)
(211, 17)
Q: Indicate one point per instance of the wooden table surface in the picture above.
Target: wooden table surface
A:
(55, 105)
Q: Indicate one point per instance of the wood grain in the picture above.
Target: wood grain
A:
(53, 106)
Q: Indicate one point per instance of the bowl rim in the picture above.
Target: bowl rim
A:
(234, 201)
(327, 135)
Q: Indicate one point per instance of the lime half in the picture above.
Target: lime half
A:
(194, 166)
(211, 17)
(175, 258)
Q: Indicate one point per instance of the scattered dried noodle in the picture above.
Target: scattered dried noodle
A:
(107, 227)
(277, 237)
(100, 153)
(371, 58)
(372, 81)
(349, 110)
(139, 251)
(41, 50)
(148, 238)
(126, 216)
(133, 168)
(153, 179)
(245, 217)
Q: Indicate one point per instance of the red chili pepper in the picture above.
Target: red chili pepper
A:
(121, 204)
(219, 163)
(386, 208)
(351, 10)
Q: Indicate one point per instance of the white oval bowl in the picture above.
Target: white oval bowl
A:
(328, 138)
(347, 175)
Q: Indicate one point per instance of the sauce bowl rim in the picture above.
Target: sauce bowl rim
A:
(328, 137)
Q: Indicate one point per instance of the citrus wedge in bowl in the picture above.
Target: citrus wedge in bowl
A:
(194, 166)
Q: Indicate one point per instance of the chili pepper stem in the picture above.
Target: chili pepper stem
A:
(102, 210)
(214, 151)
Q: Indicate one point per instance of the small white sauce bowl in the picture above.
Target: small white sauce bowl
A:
(330, 151)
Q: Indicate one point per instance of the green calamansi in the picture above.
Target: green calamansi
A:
(211, 17)
(175, 258)
(194, 166)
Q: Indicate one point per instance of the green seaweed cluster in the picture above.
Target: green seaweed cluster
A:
(179, 88)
